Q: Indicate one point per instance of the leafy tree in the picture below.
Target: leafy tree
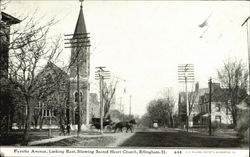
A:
(161, 110)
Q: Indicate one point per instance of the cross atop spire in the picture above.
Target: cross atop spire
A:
(81, 3)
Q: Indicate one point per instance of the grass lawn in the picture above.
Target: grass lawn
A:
(15, 137)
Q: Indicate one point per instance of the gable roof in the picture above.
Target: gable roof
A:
(9, 19)
(245, 103)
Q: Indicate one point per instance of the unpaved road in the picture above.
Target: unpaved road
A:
(151, 138)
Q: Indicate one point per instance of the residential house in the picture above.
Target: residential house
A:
(220, 107)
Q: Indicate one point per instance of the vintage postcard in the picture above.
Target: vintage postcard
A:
(124, 78)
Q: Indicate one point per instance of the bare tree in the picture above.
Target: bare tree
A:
(233, 76)
(192, 99)
(168, 94)
(28, 49)
(108, 94)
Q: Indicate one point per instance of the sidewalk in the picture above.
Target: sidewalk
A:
(222, 133)
(54, 139)
(82, 135)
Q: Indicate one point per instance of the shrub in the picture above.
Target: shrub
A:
(231, 126)
(217, 125)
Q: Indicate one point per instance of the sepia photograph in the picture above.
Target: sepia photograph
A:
(124, 78)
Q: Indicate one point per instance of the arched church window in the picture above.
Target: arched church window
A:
(81, 98)
(76, 96)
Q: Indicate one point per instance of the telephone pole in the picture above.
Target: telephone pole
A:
(210, 109)
(186, 75)
(130, 106)
(100, 75)
(246, 22)
(77, 42)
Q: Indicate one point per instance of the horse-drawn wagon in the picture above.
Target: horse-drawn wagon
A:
(107, 123)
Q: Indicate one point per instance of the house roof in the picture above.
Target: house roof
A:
(9, 19)
(245, 103)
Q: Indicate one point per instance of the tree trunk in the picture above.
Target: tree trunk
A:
(234, 115)
(27, 123)
(171, 120)
(12, 117)
(41, 123)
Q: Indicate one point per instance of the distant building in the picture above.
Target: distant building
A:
(193, 101)
(94, 105)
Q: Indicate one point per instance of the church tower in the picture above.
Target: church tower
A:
(80, 71)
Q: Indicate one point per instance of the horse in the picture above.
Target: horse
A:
(127, 124)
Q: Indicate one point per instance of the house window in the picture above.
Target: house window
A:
(217, 108)
(218, 119)
(46, 113)
(54, 113)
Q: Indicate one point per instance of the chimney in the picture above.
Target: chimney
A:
(196, 86)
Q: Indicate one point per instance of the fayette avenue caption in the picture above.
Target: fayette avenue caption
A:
(93, 151)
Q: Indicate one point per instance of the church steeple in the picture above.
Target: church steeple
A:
(80, 71)
(80, 36)
(80, 25)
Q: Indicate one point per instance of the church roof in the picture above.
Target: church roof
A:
(80, 25)
(9, 19)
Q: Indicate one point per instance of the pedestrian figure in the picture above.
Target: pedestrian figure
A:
(68, 129)
(62, 130)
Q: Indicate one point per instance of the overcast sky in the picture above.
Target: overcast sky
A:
(144, 41)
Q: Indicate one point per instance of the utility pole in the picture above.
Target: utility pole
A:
(100, 75)
(130, 106)
(77, 42)
(121, 104)
(186, 75)
(50, 132)
(246, 22)
(0, 11)
(210, 109)
(121, 108)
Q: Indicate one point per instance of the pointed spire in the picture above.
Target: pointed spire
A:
(80, 25)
